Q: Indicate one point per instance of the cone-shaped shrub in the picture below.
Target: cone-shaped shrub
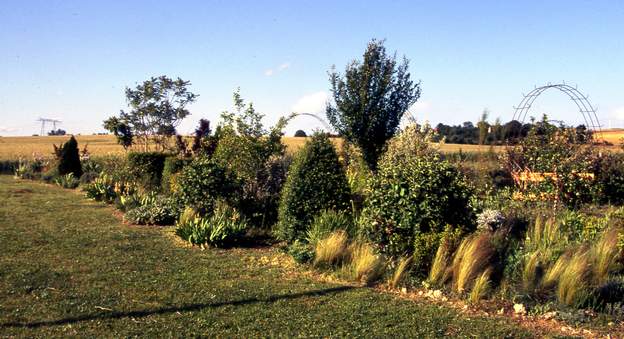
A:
(316, 181)
(69, 160)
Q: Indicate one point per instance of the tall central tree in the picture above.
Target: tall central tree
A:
(370, 99)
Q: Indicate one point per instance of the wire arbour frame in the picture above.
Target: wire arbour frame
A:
(582, 102)
(323, 122)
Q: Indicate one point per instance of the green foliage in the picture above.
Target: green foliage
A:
(69, 160)
(9, 166)
(328, 222)
(146, 168)
(101, 189)
(410, 202)
(202, 182)
(67, 181)
(610, 178)
(157, 105)
(122, 131)
(370, 99)
(551, 149)
(224, 226)
(29, 169)
(300, 134)
(172, 166)
(316, 181)
(255, 155)
(301, 251)
(159, 211)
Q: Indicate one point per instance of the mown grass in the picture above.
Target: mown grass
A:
(68, 267)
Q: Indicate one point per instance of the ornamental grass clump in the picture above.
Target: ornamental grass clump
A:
(481, 286)
(364, 264)
(400, 272)
(473, 257)
(331, 250)
(327, 222)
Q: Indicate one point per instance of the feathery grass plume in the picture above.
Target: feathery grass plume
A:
(472, 259)
(573, 285)
(481, 286)
(531, 270)
(439, 273)
(400, 272)
(604, 255)
(543, 234)
(554, 272)
(331, 250)
(364, 264)
(329, 221)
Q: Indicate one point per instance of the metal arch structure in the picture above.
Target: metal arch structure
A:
(323, 122)
(582, 103)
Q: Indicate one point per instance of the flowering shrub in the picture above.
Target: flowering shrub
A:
(489, 220)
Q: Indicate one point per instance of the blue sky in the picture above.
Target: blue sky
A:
(71, 60)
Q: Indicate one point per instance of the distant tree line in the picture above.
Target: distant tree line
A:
(485, 133)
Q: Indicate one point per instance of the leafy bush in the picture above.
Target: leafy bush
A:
(67, 181)
(69, 158)
(301, 251)
(202, 182)
(172, 166)
(223, 227)
(160, 211)
(413, 197)
(101, 189)
(610, 177)
(146, 168)
(551, 149)
(255, 155)
(410, 203)
(328, 222)
(316, 181)
(29, 169)
(88, 177)
(9, 166)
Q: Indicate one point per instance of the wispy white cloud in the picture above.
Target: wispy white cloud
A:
(272, 71)
(6, 129)
(311, 103)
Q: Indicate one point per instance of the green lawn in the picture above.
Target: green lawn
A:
(69, 267)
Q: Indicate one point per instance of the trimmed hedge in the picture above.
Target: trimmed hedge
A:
(146, 168)
(172, 166)
(316, 181)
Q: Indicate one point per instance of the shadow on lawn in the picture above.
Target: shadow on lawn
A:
(165, 310)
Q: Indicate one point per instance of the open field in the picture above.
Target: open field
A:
(26, 147)
(614, 136)
(68, 267)
(16, 147)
